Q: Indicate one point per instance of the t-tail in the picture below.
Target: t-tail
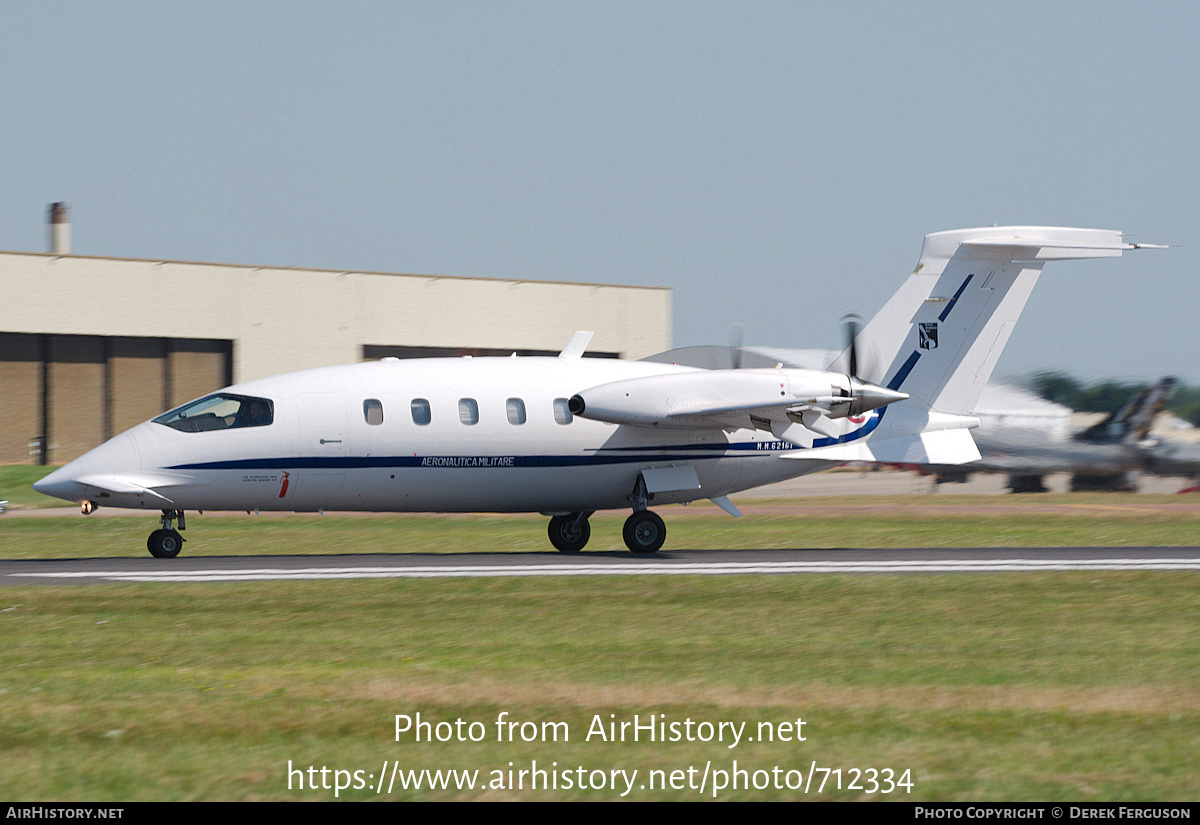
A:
(939, 337)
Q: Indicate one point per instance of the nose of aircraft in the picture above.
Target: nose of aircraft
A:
(60, 484)
(114, 458)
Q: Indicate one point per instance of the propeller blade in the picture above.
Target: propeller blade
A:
(851, 324)
(737, 334)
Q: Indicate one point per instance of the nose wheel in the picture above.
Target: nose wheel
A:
(569, 534)
(166, 543)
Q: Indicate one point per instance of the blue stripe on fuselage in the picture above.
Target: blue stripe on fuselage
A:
(437, 461)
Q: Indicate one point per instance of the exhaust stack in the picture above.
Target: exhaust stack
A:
(60, 230)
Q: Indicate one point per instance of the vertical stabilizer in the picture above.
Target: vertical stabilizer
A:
(939, 337)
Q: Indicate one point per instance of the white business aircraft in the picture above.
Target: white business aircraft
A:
(567, 436)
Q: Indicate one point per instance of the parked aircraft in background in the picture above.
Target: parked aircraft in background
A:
(567, 436)
(1105, 456)
(1174, 459)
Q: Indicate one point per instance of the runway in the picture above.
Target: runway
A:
(676, 562)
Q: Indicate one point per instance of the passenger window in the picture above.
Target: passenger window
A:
(562, 413)
(516, 411)
(420, 411)
(468, 411)
(373, 411)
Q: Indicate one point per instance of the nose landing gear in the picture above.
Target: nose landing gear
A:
(166, 543)
(570, 533)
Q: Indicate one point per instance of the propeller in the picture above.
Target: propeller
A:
(851, 324)
(860, 396)
(737, 334)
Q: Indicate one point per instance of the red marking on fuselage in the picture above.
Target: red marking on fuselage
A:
(283, 487)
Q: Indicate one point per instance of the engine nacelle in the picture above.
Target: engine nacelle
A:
(670, 400)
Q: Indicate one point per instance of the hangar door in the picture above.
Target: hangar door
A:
(65, 394)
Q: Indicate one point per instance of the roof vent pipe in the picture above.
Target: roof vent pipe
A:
(60, 229)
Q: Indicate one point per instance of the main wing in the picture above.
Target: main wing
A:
(798, 406)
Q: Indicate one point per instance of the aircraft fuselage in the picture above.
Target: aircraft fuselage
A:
(445, 435)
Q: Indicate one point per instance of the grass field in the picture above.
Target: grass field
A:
(1021, 686)
(887, 521)
(1075, 686)
(16, 486)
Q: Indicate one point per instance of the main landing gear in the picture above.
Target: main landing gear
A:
(644, 531)
(166, 543)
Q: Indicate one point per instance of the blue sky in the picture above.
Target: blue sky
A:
(776, 164)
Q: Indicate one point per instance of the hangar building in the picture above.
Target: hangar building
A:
(90, 346)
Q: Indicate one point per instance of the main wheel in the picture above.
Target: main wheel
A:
(644, 532)
(569, 535)
(164, 544)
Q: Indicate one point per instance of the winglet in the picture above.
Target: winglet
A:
(576, 346)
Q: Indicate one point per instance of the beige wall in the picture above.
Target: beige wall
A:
(284, 319)
(127, 339)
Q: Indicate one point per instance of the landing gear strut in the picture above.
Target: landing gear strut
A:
(644, 531)
(570, 533)
(166, 543)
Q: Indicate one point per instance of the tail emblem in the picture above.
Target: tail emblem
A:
(928, 336)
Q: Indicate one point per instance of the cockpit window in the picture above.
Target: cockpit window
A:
(220, 412)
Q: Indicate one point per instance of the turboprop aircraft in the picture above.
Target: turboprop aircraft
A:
(568, 436)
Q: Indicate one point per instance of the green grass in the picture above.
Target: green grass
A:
(16, 486)
(1074, 686)
(1050, 686)
(886, 522)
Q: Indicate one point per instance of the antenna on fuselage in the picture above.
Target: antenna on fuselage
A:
(576, 346)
